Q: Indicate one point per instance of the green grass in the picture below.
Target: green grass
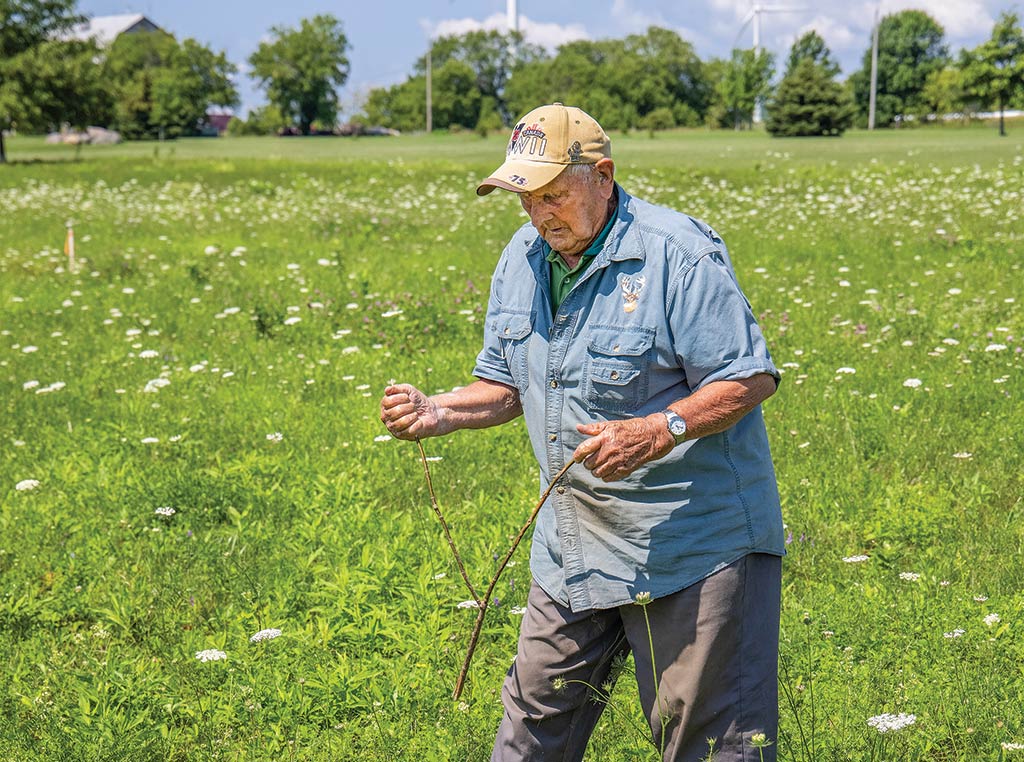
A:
(895, 254)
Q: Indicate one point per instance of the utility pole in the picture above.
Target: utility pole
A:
(430, 105)
(874, 73)
(512, 9)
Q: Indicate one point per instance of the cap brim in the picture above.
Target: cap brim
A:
(520, 175)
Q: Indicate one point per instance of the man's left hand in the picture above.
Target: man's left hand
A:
(618, 448)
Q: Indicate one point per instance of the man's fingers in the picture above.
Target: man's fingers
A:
(590, 429)
(394, 400)
(587, 448)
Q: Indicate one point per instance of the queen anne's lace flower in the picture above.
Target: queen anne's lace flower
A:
(210, 654)
(885, 723)
(268, 634)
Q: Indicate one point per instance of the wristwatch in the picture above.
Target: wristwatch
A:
(676, 425)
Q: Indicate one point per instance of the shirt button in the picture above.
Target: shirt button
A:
(560, 490)
(554, 384)
(552, 437)
(566, 280)
(508, 331)
(614, 374)
(614, 349)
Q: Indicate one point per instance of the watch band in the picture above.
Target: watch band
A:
(676, 425)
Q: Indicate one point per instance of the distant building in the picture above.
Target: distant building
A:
(106, 29)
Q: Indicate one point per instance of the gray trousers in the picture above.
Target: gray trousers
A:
(716, 654)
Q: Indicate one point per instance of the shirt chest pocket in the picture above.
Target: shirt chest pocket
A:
(618, 366)
(513, 330)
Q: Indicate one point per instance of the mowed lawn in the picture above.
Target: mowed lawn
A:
(191, 454)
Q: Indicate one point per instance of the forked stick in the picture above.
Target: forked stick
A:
(482, 603)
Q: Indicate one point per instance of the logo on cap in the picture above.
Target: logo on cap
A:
(530, 139)
(575, 152)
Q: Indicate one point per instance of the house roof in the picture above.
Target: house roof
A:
(106, 29)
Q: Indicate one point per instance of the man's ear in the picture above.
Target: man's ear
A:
(605, 171)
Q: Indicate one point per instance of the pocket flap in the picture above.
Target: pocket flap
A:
(514, 326)
(619, 341)
(613, 373)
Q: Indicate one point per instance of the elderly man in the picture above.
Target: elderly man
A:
(619, 330)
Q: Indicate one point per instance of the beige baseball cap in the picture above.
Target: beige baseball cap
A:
(543, 143)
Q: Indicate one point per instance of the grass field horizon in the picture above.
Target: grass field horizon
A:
(209, 548)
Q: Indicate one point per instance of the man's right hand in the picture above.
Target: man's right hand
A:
(408, 413)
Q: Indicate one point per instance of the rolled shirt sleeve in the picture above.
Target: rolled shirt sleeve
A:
(714, 332)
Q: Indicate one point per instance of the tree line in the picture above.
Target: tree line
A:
(656, 80)
(152, 84)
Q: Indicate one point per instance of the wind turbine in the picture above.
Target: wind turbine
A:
(755, 15)
(512, 10)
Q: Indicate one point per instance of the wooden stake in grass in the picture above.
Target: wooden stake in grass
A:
(481, 603)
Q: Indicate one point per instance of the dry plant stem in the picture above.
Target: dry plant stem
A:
(481, 603)
(444, 524)
(494, 581)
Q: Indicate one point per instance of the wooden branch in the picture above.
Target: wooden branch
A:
(481, 603)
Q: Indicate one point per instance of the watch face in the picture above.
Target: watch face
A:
(677, 427)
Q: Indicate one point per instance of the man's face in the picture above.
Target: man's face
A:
(570, 211)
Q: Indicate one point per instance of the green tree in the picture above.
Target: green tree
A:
(491, 55)
(302, 69)
(809, 101)
(265, 120)
(24, 26)
(811, 45)
(944, 93)
(163, 87)
(619, 82)
(402, 106)
(994, 71)
(910, 48)
(744, 79)
(489, 120)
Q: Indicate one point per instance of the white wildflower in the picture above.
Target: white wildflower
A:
(954, 634)
(210, 654)
(980, 598)
(26, 484)
(276, 437)
(30, 385)
(855, 559)
(268, 634)
(963, 455)
(846, 370)
(29, 349)
(912, 383)
(992, 620)
(517, 610)
(995, 347)
(149, 440)
(1012, 746)
(391, 313)
(884, 723)
(468, 605)
(148, 354)
(910, 576)
(156, 384)
(382, 438)
(197, 367)
(292, 320)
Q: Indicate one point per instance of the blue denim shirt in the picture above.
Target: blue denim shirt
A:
(657, 316)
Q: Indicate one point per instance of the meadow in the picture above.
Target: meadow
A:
(210, 548)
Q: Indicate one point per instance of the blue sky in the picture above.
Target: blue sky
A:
(386, 37)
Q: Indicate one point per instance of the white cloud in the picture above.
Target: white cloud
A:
(837, 35)
(629, 20)
(546, 34)
(960, 18)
